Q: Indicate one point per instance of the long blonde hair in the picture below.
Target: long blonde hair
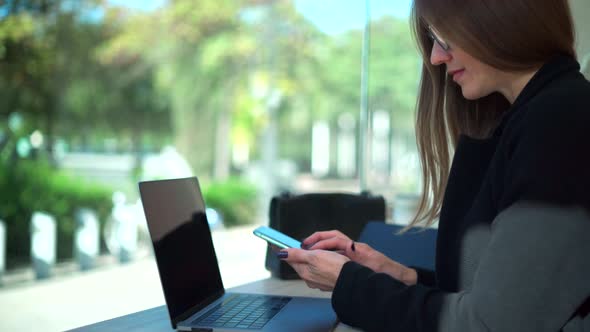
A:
(509, 35)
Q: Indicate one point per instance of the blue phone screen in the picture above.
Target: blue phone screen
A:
(277, 238)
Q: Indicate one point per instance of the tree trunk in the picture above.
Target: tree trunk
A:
(50, 131)
(193, 136)
(222, 156)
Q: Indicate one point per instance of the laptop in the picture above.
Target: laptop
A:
(190, 276)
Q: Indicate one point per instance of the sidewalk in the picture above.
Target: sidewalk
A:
(82, 298)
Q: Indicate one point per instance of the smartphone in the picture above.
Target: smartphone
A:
(277, 238)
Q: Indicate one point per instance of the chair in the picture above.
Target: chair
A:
(300, 215)
(414, 248)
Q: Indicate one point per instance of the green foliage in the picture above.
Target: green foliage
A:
(138, 76)
(27, 61)
(394, 72)
(17, 27)
(35, 186)
(198, 73)
(50, 73)
(235, 199)
(197, 66)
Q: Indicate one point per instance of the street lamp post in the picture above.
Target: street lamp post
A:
(365, 125)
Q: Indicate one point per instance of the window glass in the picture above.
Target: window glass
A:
(253, 97)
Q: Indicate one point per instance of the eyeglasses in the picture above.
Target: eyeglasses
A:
(437, 39)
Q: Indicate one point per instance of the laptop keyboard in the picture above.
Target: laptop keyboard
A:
(243, 311)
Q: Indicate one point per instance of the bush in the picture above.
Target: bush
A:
(234, 199)
(36, 186)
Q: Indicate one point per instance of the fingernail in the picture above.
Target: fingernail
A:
(352, 246)
(282, 254)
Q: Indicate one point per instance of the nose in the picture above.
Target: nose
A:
(438, 55)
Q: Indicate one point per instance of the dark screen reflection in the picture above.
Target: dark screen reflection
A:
(187, 264)
(183, 248)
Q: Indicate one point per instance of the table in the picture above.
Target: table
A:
(157, 319)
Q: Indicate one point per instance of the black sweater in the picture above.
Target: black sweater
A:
(514, 230)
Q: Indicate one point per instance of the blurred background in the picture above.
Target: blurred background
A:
(255, 97)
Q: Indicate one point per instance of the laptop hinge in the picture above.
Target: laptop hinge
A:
(191, 311)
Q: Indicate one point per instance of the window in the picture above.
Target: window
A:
(254, 99)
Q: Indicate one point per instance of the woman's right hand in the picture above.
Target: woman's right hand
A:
(360, 253)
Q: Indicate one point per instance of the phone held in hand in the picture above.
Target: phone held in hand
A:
(277, 238)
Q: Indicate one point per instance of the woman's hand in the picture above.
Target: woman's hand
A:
(360, 253)
(365, 255)
(318, 268)
(327, 240)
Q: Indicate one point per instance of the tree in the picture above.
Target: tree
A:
(207, 57)
(52, 76)
(211, 59)
(28, 63)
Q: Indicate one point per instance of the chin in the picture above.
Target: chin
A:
(472, 94)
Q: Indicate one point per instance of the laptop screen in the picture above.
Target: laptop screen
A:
(175, 213)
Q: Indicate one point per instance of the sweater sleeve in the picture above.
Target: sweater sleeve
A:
(532, 276)
(425, 277)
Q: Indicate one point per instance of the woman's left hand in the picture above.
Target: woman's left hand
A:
(318, 268)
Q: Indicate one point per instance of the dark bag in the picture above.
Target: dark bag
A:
(301, 215)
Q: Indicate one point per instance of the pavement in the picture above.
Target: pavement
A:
(72, 298)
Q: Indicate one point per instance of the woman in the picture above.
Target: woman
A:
(501, 86)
